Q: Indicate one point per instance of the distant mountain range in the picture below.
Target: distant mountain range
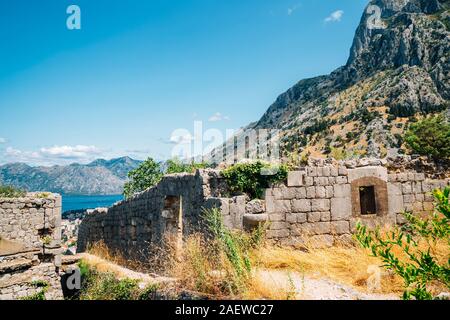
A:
(100, 177)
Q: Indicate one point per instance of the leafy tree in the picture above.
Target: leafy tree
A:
(430, 137)
(147, 175)
(253, 178)
(410, 252)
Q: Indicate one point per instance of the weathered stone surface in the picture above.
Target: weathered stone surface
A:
(295, 178)
(342, 191)
(303, 205)
(340, 227)
(376, 172)
(341, 209)
(320, 205)
(255, 206)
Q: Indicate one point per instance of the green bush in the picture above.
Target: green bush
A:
(411, 252)
(105, 286)
(40, 295)
(177, 166)
(11, 192)
(147, 175)
(253, 178)
(430, 137)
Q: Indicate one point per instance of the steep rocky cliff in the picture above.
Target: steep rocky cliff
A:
(397, 72)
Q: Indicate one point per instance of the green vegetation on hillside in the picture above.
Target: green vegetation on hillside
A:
(430, 137)
(147, 175)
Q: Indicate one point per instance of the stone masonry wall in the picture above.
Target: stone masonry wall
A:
(172, 209)
(320, 203)
(30, 237)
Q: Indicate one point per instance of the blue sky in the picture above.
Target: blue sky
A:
(140, 69)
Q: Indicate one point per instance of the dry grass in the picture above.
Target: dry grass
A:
(348, 265)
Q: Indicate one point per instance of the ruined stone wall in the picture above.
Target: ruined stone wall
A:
(30, 251)
(322, 204)
(319, 203)
(169, 211)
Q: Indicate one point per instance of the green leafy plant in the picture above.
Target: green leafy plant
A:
(430, 137)
(147, 175)
(40, 295)
(253, 178)
(411, 252)
(177, 166)
(11, 192)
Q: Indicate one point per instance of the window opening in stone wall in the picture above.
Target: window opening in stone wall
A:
(367, 200)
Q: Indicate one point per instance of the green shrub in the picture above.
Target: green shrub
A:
(430, 137)
(177, 166)
(411, 252)
(253, 178)
(147, 175)
(40, 295)
(11, 192)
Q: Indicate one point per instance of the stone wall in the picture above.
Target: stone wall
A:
(319, 203)
(322, 204)
(172, 209)
(30, 237)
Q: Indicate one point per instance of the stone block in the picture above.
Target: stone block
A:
(320, 192)
(342, 190)
(279, 206)
(310, 192)
(343, 171)
(277, 217)
(302, 205)
(295, 178)
(341, 180)
(362, 172)
(309, 181)
(340, 227)
(320, 205)
(341, 208)
(271, 234)
(301, 217)
(329, 192)
(311, 171)
(321, 181)
(325, 216)
(314, 216)
(253, 220)
(395, 203)
(394, 188)
(300, 193)
(321, 227)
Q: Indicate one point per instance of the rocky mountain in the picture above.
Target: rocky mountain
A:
(397, 72)
(98, 177)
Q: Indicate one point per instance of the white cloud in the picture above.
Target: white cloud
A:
(218, 117)
(68, 152)
(2, 140)
(181, 139)
(53, 155)
(335, 16)
(291, 10)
